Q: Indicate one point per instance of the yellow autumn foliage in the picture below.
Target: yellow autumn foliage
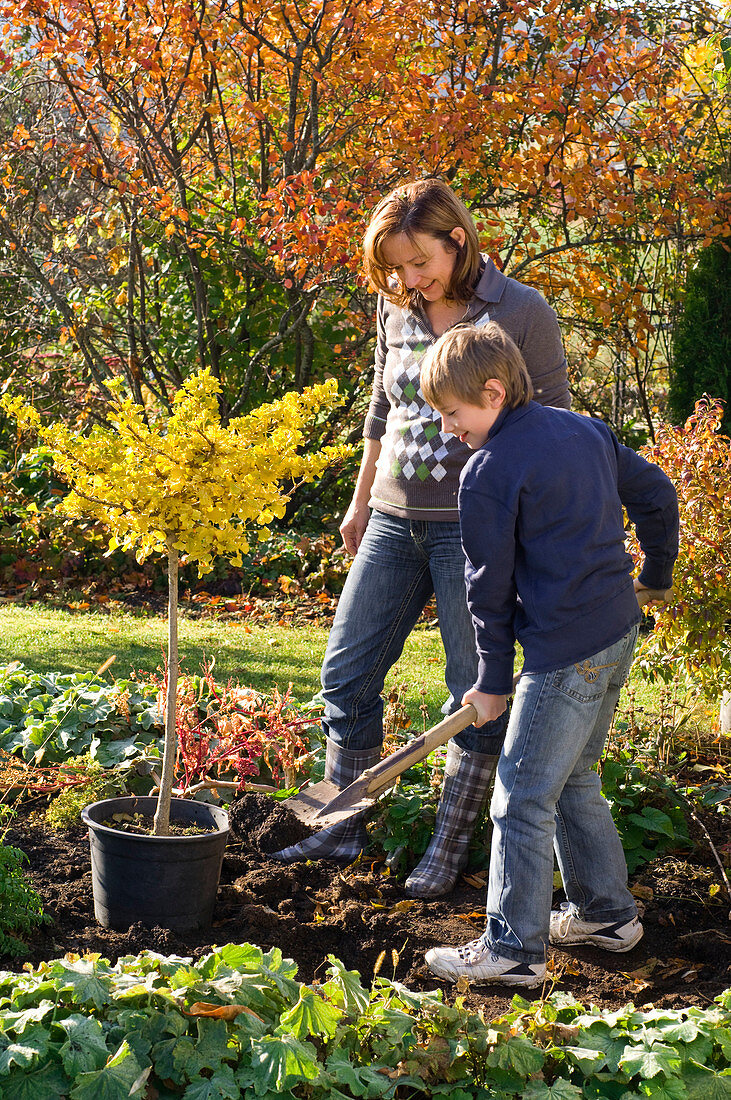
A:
(185, 480)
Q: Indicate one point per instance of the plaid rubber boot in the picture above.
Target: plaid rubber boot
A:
(467, 777)
(345, 841)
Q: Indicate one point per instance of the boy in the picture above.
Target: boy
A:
(540, 507)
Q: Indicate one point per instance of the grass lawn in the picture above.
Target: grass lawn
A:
(48, 639)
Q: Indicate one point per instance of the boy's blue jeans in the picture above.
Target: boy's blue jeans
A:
(399, 565)
(547, 793)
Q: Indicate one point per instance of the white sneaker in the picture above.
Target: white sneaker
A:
(567, 928)
(479, 963)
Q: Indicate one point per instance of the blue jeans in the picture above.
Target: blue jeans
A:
(547, 793)
(400, 564)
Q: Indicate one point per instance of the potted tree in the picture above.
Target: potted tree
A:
(177, 484)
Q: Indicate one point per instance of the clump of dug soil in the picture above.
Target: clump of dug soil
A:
(264, 824)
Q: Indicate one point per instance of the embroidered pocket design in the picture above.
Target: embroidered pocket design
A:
(591, 672)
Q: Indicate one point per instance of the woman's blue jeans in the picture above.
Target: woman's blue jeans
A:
(400, 564)
(547, 793)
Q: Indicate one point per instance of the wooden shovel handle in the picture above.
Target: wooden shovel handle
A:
(646, 595)
(382, 774)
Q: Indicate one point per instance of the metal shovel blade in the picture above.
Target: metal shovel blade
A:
(324, 804)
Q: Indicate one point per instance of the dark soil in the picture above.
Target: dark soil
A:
(312, 910)
(268, 826)
(144, 823)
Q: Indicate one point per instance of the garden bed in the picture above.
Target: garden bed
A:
(312, 910)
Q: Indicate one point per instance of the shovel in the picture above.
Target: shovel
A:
(325, 804)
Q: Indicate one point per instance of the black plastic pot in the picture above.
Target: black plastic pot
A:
(164, 881)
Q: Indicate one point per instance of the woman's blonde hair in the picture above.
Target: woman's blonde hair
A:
(463, 359)
(423, 206)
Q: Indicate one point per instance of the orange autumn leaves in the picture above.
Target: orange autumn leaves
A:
(248, 144)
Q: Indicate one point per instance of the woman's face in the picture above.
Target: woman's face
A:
(422, 262)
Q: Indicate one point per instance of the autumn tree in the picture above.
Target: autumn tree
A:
(186, 185)
(701, 333)
(691, 636)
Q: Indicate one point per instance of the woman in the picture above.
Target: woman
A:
(422, 256)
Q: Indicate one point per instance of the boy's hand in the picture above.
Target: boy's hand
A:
(653, 596)
(488, 707)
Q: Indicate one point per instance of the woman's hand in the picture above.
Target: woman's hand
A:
(356, 518)
(353, 526)
(488, 707)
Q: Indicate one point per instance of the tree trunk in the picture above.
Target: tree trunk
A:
(724, 717)
(162, 816)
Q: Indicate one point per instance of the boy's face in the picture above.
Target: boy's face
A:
(472, 423)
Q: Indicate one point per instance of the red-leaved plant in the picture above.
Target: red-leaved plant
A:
(229, 735)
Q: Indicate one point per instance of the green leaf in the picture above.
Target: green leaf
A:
(23, 1052)
(85, 979)
(358, 1080)
(48, 1083)
(668, 1088)
(345, 988)
(559, 1090)
(588, 1059)
(518, 1054)
(667, 1026)
(85, 1049)
(272, 966)
(176, 1060)
(311, 1016)
(280, 1061)
(604, 1040)
(185, 978)
(122, 1078)
(703, 1084)
(212, 1044)
(19, 1021)
(221, 1086)
(647, 1062)
(725, 45)
(182, 1058)
(653, 821)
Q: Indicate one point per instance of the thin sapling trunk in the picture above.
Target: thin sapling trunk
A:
(162, 815)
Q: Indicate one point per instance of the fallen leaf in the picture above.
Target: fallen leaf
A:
(476, 915)
(478, 881)
(219, 1012)
(643, 971)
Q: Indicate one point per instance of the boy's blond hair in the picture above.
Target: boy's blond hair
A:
(465, 357)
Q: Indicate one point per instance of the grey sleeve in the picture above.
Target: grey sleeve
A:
(533, 324)
(375, 421)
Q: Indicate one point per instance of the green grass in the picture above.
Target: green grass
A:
(48, 639)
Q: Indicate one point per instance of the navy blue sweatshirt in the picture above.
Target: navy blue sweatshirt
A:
(540, 508)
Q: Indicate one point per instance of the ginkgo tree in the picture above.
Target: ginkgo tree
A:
(185, 484)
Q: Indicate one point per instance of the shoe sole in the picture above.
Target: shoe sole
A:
(495, 979)
(601, 941)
